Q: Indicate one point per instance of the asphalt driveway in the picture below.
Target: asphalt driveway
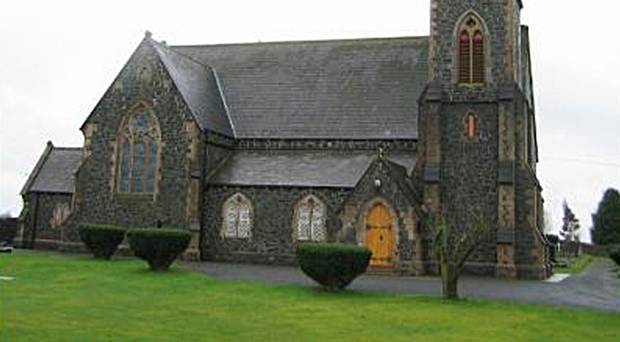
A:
(597, 287)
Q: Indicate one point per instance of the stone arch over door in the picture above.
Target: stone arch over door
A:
(378, 230)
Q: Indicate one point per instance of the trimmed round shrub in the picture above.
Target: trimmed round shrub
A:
(333, 265)
(614, 253)
(102, 240)
(158, 246)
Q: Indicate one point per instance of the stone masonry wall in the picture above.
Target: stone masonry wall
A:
(469, 172)
(531, 258)
(400, 200)
(145, 81)
(40, 217)
(272, 218)
(273, 211)
(501, 19)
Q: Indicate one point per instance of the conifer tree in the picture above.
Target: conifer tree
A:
(606, 220)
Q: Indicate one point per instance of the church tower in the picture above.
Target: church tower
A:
(477, 139)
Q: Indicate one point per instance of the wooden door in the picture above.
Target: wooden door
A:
(379, 236)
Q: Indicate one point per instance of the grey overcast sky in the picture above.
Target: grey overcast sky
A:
(57, 58)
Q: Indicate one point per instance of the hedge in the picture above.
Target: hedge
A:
(8, 230)
(333, 265)
(7, 234)
(102, 240)
(158, 246)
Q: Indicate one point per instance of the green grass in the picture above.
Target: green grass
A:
(575, 265)
(75, 298)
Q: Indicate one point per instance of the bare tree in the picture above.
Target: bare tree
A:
(570, 231)
(570, 224)
(453, 245)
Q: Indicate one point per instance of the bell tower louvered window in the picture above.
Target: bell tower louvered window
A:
(471, 42)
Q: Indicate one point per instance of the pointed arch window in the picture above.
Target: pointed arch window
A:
(471, 50)
(237, 218)
(310, 219)
(139, 142)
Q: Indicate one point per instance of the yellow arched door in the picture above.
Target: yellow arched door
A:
(379, 236)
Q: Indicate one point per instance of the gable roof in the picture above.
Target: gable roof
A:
(198, 86)
(55, 170)
(321, 169)
(396, 172)
(343, 89)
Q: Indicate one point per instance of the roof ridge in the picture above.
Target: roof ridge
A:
(66, 148)
(169, 48)
(304, 41)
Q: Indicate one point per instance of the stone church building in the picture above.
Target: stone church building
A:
(257, 147)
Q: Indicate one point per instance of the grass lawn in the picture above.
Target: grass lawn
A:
(75, 298)
(575, 265)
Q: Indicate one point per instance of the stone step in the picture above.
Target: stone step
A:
(378, 270)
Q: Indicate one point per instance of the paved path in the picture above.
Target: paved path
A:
(596, 287)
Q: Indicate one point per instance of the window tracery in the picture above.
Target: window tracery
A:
(471, 50)
(59, 215)
(310, 220)
(237, 213)
(139, 142)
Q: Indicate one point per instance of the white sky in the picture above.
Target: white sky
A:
(57, 58)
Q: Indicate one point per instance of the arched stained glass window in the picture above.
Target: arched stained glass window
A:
(237, 217)
(310, 219)
(139, 141)
(471, 42)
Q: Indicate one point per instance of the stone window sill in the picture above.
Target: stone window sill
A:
(135, 197)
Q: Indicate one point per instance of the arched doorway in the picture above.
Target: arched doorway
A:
(379, 235)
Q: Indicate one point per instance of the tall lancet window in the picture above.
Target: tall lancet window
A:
(310, 220)
(139, 144)
(471, 126)
(471, 42)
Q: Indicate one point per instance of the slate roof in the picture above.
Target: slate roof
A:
(295, 168)
(405, 159)
(55, 170)
(342, 89)
(198, 86)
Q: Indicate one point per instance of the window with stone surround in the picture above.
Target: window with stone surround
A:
(59, 215)
(139, 143)
(471, 126)
(310, 219)
(237, 217)
(471, 45)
